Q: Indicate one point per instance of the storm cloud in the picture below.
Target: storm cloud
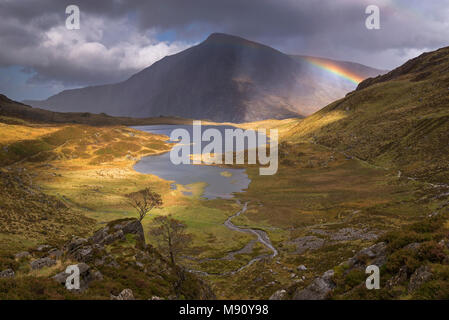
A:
(118, 38)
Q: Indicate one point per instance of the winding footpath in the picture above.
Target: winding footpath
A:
(261, 235)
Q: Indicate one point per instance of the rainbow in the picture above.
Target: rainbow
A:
(335, 69)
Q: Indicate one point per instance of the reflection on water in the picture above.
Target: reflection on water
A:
(221, 182)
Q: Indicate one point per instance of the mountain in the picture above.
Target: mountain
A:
(224, 78)
(397, 120)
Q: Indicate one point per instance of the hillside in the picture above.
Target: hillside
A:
(14, 112)
(329, 207)
(399, 120)
(42, 233)
(224, 78)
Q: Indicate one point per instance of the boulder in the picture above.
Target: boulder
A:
(126, 294)
(419, 277)
(302, 268)
(8, 273)
(318, 289)
(42, 262)
(134, 227)
(86, 276)
(278, 295)
(376, 254)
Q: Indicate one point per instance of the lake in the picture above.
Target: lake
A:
(221, 182)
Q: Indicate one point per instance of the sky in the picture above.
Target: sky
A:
(40, 57)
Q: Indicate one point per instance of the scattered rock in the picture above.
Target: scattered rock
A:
(8, 273)
(21, 255)
(302, 268)
(156, 298)
(43, 247)
(419, 277)
(278, 295)
(126, 294)
(42, 262)
(346, 234)
(318, 289)
(308, 242)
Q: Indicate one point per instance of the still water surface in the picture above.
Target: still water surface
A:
(221, 182)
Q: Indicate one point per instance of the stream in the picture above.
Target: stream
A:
(219, 185)
(261, 235)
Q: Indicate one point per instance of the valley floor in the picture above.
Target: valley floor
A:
(318, 210)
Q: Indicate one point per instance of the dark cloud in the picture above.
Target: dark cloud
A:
(118, 38)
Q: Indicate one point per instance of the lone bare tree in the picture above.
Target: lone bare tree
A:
(170, 236)
(144, 201)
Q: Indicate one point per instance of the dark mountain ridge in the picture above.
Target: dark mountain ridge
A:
(224, 78)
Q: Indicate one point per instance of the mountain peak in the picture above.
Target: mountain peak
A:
(223, 38)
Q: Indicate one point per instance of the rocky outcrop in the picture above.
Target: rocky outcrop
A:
(278, 295)
(126, 294)
(318, 289)
(322, 286)
(42, 262)
(103, 257)
(373, 255)
(88, 250)
(118, 231)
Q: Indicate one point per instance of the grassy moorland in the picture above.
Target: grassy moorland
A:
(398, 120)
